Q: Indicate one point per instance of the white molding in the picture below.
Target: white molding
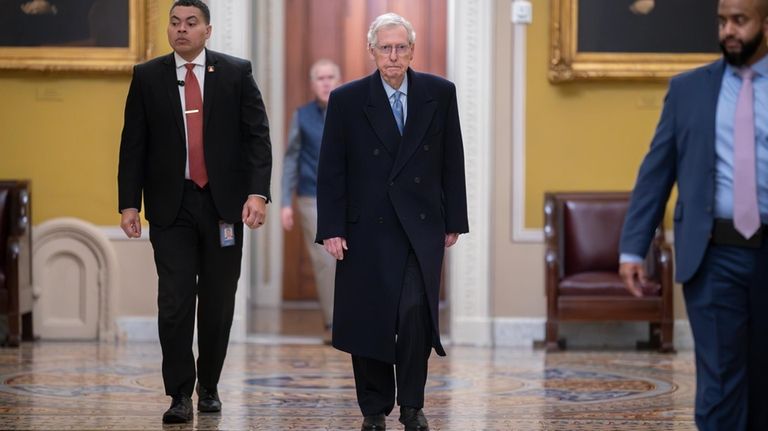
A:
(517, 332)
(523, 332)
(115, 233)
(98, 244)
(470, 61)
(519, 83)
(280, 340)
(269, 71)
(137, 328)
(231, 27)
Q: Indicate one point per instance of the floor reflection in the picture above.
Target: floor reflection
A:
(75, 386)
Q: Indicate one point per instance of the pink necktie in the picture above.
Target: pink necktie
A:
(194, 112)
(746, 216)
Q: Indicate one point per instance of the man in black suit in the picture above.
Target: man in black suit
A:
(196, 143)
(391, 196)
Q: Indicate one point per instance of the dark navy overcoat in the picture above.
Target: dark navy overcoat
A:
(385, 194)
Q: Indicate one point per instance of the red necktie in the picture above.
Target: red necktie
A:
(194, 112)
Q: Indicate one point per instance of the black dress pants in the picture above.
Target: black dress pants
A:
(377, 381)
(195, 271)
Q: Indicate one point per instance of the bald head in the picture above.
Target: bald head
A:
(743, 30)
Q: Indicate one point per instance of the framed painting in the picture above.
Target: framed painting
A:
(630, 39)
(89, 35)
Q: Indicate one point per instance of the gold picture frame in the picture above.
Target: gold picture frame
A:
(81, 56)
(567, 63)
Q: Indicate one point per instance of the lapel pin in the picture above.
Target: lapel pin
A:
(210, 69)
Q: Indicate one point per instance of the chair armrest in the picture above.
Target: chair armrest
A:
(551, 270)
(552, 264)
(665, 265)
(12, 272)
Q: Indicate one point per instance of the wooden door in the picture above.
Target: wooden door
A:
(337, 30)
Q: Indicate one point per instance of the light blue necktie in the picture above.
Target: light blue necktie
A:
(397, 109)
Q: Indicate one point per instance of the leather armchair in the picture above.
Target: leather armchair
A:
(582, 231)
(15, 261)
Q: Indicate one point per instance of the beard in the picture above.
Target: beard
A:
(748, 49)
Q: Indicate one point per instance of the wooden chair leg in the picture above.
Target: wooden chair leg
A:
(14, 330)
(27, 334)
(666, 344)
(552, 344)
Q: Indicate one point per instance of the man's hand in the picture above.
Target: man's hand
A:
(450, 239)
(254, 212)
(633, 276)
(286, 216)
(130, 222)
(335, 247)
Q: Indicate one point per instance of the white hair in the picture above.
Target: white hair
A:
(390, 20)
(323, 62)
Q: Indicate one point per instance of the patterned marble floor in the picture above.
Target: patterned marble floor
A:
(91, 386)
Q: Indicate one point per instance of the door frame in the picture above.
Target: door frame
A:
(256, 31)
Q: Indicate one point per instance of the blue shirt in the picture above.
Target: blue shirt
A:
(726, 110)
(403, 98)
(303, 152)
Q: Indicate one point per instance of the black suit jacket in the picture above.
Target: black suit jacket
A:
(153, 148)
(387, 194)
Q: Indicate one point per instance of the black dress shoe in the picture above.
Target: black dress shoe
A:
(413, 419)
(374, 422)
(208, 400)
(180, 411)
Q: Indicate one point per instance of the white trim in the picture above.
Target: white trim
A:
(231, 33)
(470, 61)
(97, 243)
(523, 332)
(115, 233)
(268, 24)
(231, 21)
(137, 328)
(519, 82)
(282, 340)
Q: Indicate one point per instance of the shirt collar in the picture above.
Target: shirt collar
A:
(198, 61)
(390, 91)
(760, 68)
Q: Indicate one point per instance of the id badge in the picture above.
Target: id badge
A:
(226, 234)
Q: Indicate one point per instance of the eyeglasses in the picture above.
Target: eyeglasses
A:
(401, 49)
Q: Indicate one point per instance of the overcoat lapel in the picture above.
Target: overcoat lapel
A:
(379, 114)
(172, 85)
(421, 109)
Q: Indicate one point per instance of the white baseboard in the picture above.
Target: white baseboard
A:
(517, 332)
(144, 328)
(472, 332)
(137, 328)
(523, 332)
(507, 332)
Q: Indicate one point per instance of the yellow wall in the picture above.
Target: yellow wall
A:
(62, 131)
(582, 135)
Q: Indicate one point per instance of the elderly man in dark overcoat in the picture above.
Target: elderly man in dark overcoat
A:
(391, 197)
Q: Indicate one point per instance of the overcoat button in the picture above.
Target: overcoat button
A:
(422, 216)
(417, 180)
(376, 152)
(381, 220)
(426, 148)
